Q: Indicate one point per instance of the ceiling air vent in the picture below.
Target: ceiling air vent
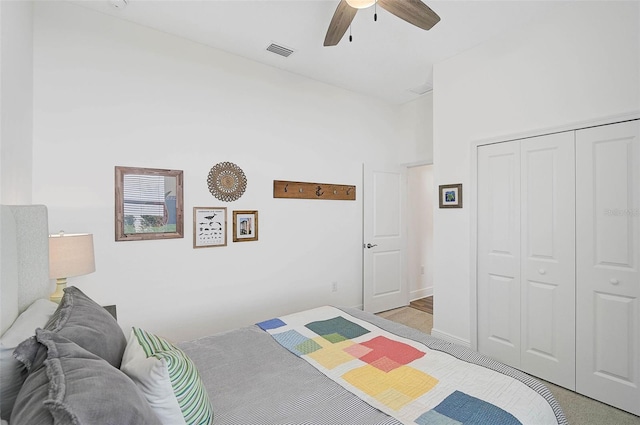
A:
(420, 90)
(279, 50)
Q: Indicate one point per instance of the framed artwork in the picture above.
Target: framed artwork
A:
(451, 195)
(209, 227)
(148, 204)
(245, 226)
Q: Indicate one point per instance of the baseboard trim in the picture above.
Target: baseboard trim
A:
(450, 338)
(421, 293)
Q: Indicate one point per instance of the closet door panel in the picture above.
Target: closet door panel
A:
(548, 257)
(608, 257)
(499, 252)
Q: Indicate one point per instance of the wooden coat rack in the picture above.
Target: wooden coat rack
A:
(306, 190)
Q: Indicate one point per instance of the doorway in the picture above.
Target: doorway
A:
(420, 204)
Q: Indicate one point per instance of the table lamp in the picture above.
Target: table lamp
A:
(69, 255)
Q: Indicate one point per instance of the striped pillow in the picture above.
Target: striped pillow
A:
(168, 378)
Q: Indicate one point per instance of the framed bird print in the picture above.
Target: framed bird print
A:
(209, 227)
(450, 195)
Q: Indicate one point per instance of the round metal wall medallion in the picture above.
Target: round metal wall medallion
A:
(227, 181)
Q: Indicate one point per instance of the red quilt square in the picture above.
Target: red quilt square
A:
(385, 364)
(396, 351)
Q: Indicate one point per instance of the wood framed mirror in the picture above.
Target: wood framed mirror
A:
(149, 204)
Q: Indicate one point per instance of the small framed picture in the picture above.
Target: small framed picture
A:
(245, 226)
(451, 195)
(209, 227)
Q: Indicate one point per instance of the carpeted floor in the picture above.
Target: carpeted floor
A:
(581, 410)
(578, 409)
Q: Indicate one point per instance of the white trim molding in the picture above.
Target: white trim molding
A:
(450, 338)
(421, 293)
(472, 204)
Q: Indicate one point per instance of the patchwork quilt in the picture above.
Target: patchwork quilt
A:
(405, 379)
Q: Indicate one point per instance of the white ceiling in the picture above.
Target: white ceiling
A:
(387, 59)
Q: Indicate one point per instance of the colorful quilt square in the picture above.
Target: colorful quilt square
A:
(337, 325)
(385, 364)
(432, 417)
(393, 350)
(334, 338)
(394, 398)
(331, 355)
(470, 410)
(358, 350)
(290, 340)
(308, 347)
(396, 388)
(271, 324)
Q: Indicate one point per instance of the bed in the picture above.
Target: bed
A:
(73, 364)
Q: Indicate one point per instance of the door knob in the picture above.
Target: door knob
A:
(370, 246)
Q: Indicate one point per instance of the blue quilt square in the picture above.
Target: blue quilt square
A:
(434, 418)
(470, 410)
(292, 341)
(271, 324)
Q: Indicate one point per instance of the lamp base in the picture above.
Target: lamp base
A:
(57, 295)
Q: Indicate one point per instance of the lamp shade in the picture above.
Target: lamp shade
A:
(71, 255)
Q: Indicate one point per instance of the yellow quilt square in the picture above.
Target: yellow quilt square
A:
(412, 382)
(391, 388)
(394, 399)
(331, 355)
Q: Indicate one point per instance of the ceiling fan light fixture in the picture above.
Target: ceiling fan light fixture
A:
(360, 4)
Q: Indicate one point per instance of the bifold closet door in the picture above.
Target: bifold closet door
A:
(526, 255)
(498, 286)
(608, 258)
(548, 258)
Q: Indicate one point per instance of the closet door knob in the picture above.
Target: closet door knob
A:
(614, 281)
(542, 271)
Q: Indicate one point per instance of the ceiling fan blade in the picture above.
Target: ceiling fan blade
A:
(413, 11)
(339, 23)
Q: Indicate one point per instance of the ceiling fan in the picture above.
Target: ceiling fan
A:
(413, 11)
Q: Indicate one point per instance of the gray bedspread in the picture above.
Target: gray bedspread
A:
(251, 379)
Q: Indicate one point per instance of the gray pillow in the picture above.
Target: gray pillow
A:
(73, 386)
(12, 372)
(83, 321)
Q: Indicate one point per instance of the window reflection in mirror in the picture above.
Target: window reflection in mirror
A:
(148, 203)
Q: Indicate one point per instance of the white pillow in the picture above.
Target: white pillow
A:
(12, 372)
(168, 379)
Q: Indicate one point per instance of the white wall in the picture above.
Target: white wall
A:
(108, 92)
(582, 63)
(416, 125)
(16, 101)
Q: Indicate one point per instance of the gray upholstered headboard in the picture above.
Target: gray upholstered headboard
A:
(24, 259)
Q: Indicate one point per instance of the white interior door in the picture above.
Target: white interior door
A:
(526, 255)
(608, 258)
(385, 283)
(548, 257)
(499, 252)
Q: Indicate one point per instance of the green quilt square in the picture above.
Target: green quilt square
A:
(307, 347)
(333, 329)
(334, 338)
